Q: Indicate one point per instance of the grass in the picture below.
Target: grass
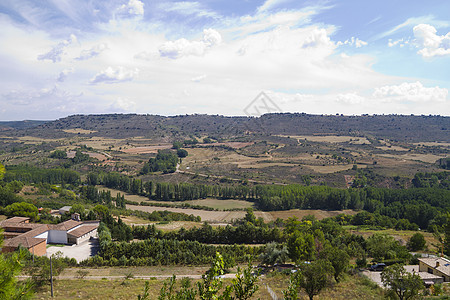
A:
(401, 235)
(221, 204)
(354, 287)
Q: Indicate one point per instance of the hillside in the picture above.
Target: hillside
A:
(394, 127)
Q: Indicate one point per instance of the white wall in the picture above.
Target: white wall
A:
(57, 237)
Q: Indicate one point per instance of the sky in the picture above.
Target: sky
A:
(226, 57)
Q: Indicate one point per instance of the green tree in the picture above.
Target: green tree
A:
(22, 209)
(2, 171)
(339, 260)
(61, 154)
(404, 284)
(10, 267)
(312, 278)
(274, 254)
(301, 246)
(416, 242)
(446, 240)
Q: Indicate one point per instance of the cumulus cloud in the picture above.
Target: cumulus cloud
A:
(350, 98)
(133, 7)
(414, 91)
(64, 73)
(430, 43)
(123, 104)
(114, 75)
(353, 42)
(318, 37)
(92, 52)
(58, 50)
(400, 42)
(183, 47)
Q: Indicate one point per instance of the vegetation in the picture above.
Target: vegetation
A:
(403, 284)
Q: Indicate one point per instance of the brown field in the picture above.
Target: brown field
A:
(235, 145)
(205, 215)
(331, 139)
(79, 131)
(439, 144)
(392, 148)
(71, 154)
(428, 158)
(102, 143)
(228, 216)
(327, 169)
(147, 149)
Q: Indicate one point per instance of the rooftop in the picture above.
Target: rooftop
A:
(438, 263)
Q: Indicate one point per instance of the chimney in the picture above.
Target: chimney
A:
(437, 264)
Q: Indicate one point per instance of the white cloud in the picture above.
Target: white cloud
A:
(317, 38)
(270, 4)
(58, 50)
(183, 47)
(414, 91)
(353, 42)
(133, 7)
(400, 42)
(350, 98)
(123, 104)
(64, 73)
(114, 75)
(198, 78)
(430, 43)
(92, 52)
(188, 8)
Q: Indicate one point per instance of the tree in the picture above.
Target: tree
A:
(447, 236)
(11, 266)
(339, 260)
(22, 209)
(60, 154)
(416, 242)
(2, 171)
(301, 246)
(404, 284)
(312, 277)
(273, 254)
(182, 153)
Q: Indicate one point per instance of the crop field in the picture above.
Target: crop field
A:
(205, 215)
(428, 158)
(147, 149)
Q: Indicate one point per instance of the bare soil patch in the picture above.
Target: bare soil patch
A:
(147, 149)
(327, 169)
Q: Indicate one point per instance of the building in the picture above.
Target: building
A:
(35, 237)
(64, 210)
(438, 266)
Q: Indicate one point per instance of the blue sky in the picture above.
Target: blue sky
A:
(65, 57)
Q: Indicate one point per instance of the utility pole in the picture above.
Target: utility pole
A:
(51, 277)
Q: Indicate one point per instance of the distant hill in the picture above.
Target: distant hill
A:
(396, 127)
(12, 125)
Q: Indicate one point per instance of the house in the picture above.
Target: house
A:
(435, 265)
(64, 210)
(35, 237)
